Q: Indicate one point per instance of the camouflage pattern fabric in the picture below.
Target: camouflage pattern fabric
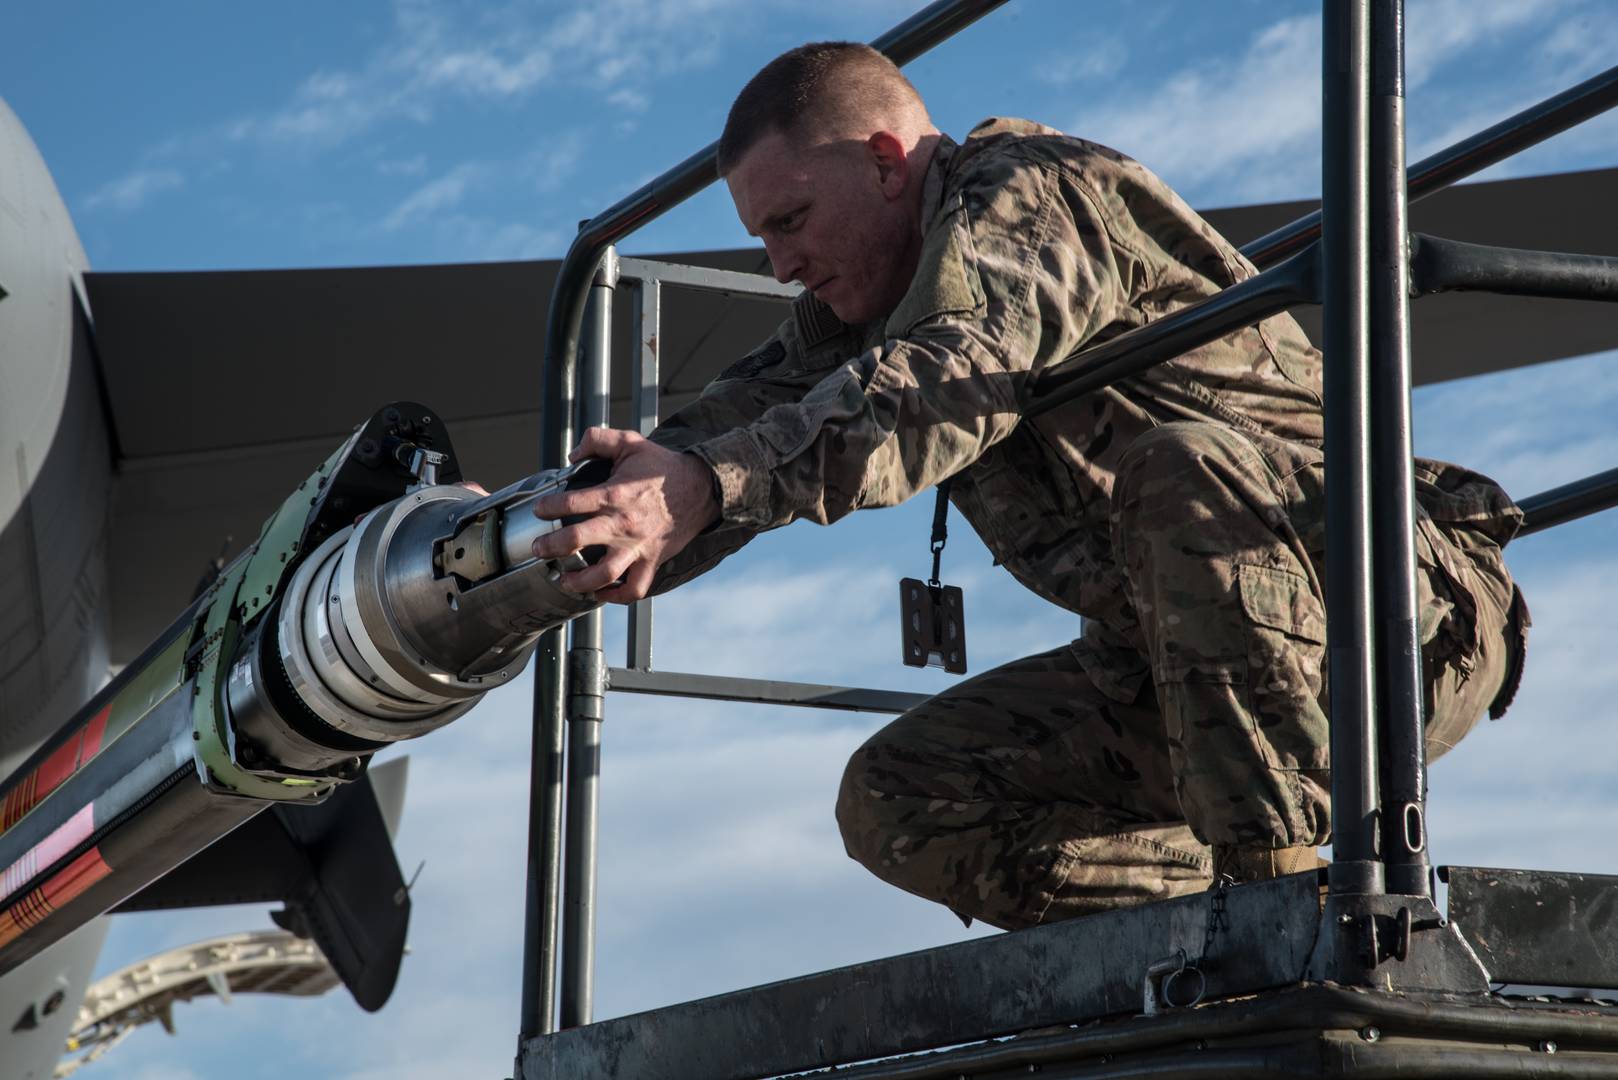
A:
(1030, 793)
(1178, 510)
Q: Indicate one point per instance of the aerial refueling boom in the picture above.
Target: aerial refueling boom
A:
(379, 602)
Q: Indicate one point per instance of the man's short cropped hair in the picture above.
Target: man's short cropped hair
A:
(821, 85)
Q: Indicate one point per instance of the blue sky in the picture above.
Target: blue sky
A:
(198, 135)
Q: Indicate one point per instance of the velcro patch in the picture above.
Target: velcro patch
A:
(769, 354)
(946, 280)
(817, 322)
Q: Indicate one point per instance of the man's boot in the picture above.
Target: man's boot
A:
(1241, 864)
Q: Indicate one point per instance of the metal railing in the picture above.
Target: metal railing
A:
(574, 285)
(1355, 256)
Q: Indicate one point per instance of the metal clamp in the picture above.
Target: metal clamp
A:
(587, 683)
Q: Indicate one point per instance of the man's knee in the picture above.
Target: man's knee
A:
(1176, 455)
(857, 813)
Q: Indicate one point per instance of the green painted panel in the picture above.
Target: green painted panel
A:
(244, 595)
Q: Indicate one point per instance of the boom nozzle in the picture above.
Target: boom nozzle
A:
(398, 624)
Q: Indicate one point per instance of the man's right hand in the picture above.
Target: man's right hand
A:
(654, 503)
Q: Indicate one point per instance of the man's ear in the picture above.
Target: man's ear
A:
(887, 153)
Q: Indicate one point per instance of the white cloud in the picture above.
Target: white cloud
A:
(1532, 428)
(153, 1072)
(553, 162)
(414, 165)
(1099, 58)
(1245, 126)
(1549, 45)
(132, 191)
(501, 53)
(629, 99)
(444, 193)
(1531, 789)
(1440, 32)
(480, 73)
(446, 206)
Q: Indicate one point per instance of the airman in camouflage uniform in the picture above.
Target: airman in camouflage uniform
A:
(1180, 511)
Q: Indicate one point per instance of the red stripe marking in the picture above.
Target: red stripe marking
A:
(59, 765)
(55, 770)
(75, 878)
(93, 733)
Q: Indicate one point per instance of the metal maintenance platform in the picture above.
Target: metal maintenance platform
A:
(1252, 980)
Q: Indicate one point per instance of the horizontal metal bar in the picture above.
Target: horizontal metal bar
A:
(1441, 265)
(1306, 1010)
(1538, 928)
(1067, 972)
(1471, 155)
(1313, 1055)
(706, 278)
(1569, 502)
(760, 691)
(1243, 304)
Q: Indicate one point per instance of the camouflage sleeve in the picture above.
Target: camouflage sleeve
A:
(777, 372)
(1016, 270)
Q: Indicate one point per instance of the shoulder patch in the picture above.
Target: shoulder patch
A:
(769, 354)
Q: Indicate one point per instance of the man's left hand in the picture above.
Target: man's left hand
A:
(645, 513)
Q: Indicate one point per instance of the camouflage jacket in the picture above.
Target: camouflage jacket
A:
(1035, 244)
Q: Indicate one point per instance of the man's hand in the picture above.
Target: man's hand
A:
(651, 507)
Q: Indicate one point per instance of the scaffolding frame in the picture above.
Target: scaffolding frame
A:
(1378, 926)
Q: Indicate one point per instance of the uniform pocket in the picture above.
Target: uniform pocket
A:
(1281, 600)
(1286, 642)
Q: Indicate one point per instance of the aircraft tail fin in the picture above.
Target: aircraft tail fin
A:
(332, 865)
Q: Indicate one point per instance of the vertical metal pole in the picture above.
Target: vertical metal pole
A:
(1399, 676)
(544, 842)
(1345, 207)
(542, 901)
(1398, 672)
(587, 671)
(648, 319)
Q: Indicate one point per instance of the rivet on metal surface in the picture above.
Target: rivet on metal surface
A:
(1547, 1046)
(1370, 1033)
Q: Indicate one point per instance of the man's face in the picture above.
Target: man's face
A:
(833, 217)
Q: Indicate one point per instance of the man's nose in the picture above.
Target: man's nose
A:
(784, 261)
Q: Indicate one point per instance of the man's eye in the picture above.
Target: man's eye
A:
(791, 222)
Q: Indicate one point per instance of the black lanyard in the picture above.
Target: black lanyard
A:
(940, 529)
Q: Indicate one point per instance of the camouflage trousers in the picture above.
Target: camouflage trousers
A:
(1056, 786)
